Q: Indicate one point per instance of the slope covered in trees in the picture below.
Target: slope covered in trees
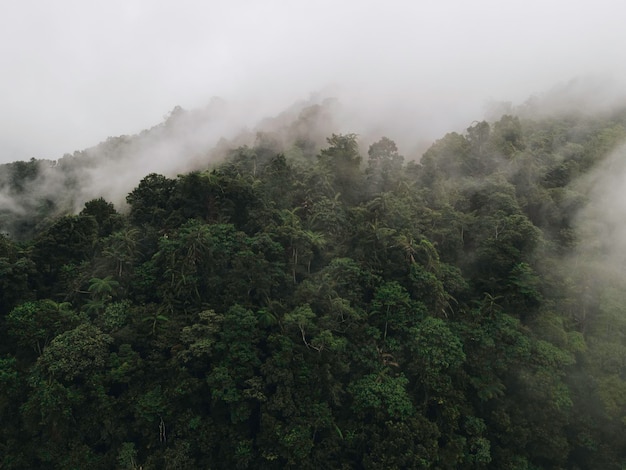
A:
(295, 307)
(33, 193)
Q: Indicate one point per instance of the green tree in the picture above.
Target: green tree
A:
(384, 166)
(35, 324)
(16, 273)
(149, 202)
(101, 291)
(69, 241)
(342, 162)
(108, 219)
(121, 248)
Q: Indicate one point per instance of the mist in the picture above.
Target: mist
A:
(601, 222)
(76, 73)
(93, 86)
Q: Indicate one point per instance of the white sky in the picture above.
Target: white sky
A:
(74, 72)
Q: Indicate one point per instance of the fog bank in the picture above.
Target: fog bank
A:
(76, 73)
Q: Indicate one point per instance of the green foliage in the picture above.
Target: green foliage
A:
(340, 164)
(375, 393)
(280, 310)
(105, 214)
(16, 272)
(384, 166)
(75, 353)
(149, 201)
(35, 324)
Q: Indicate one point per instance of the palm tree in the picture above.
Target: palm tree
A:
(103, 289)
(122, 248)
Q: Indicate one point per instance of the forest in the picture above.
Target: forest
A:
(304, 305)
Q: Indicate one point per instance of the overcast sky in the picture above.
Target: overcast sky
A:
(77, 71)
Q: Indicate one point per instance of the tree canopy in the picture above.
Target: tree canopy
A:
(295, 308)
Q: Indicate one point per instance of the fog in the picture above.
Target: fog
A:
(601, 222)
(77, 72)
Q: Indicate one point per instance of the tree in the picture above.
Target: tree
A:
(149, 202)
(16, 273)
(66, 397)
(102, 291)
(437, 355)
(384, 166)
(69, 241)
(108, 219)
(444, 159)
(122, 249)
(277, 182)
(393, 312)
(232, 377)
(78, 352)
(342, 161)
(35, 324)
(507, 135)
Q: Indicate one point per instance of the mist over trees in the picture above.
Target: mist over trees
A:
(34, 192)
(288, 298)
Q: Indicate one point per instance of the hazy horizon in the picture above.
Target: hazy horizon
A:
(76, 72)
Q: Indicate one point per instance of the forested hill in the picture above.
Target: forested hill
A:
(298, 307)
(34, 192)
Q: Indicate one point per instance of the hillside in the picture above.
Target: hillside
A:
(282, 298)
(33, 193)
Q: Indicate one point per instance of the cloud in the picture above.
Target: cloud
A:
(601, 223)
(79, 72)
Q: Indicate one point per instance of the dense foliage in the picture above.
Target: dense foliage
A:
(289, 308)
